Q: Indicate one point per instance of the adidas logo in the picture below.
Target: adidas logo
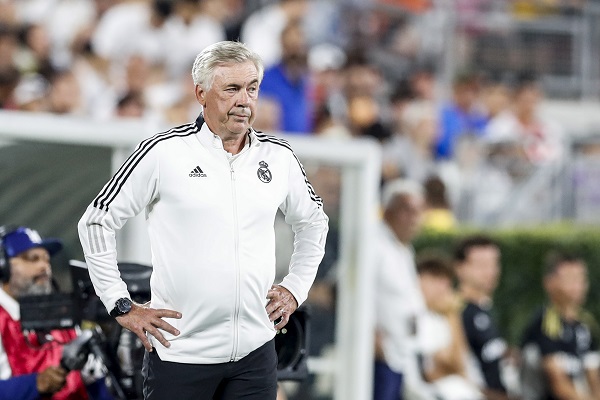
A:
(197, 173)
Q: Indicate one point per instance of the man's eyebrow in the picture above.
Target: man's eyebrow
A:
(238, 86)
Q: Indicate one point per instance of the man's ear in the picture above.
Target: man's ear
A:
(200, 95)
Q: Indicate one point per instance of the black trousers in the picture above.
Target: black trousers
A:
(254, 377)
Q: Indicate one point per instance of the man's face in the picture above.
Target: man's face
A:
(569, 284)
(481, 269)
(30, 273)
(437, 291)
(230, 103)
(405, 216)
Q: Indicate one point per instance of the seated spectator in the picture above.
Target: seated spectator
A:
(560, 349)
(131, 105)
(262, 29)
(286, 83)
(9, 79)
(442, 344)
(520, 133)
(462, 116)
(34, 56)
(31, 93)
(438, 213)
(30, 361)
(411, 155)
(65, 94)
(8, 47)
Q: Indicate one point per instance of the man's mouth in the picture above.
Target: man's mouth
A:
(41, 277)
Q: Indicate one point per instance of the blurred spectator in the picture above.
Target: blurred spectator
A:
(8, 46)
(97, 84)
(133, 27)
(442, 343)
(399, 299)
(496, 97)
(560, 345)
(269, 117)
(462, 116)
(362, 77)
(193, 26)
(9, 79)
(326, 125)
(477, 263)
(402, 95)
(185, 106)
(438, 213)
(287, 83)
(365, 118)
(65, 94)
(411, 154)
(393, 148)
(64, 22)
(520, 132)
(7, 13)
(422, 83)
(30, 94)
(325, 62)
(262, 29)
(131, 106)
(362, 98)
(34, 56)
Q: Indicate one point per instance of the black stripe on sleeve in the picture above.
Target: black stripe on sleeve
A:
(110, 191)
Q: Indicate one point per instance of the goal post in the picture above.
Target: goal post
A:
(359, 162)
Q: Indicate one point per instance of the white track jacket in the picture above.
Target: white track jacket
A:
(210, 221)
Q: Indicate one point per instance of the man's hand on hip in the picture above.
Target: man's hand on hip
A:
(142, 319)
(281, 304)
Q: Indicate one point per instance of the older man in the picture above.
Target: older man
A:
(399, 300)
(210, 191)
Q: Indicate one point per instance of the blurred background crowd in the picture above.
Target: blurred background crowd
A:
(452, 89)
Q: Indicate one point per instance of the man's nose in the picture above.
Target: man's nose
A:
(44, 265)
(243, 98)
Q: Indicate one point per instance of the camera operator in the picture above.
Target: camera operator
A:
(30, 361)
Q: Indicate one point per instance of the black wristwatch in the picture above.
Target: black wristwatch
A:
(122, 307)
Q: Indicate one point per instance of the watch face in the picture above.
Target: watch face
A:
(123, 305)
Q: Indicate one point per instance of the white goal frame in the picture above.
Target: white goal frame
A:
(359, 162)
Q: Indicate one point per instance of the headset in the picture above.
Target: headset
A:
(4, 263)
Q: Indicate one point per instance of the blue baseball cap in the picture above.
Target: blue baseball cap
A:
(22, 239)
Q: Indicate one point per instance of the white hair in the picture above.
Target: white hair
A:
(220, 53)
(399, 187)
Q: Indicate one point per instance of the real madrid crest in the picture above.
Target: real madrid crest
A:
(264, 174)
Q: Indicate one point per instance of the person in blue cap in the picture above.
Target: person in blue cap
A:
(30, 361)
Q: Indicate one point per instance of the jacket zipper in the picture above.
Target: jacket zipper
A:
(236, 311)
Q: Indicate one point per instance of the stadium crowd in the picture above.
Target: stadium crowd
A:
(337, 69)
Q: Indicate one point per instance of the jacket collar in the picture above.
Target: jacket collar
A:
(212, 140)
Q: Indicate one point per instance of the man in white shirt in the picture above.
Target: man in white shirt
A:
(210, 191)
(399, 299)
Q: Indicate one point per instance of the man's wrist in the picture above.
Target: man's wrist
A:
(122, 307)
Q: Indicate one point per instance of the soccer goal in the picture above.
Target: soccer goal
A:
(51, 162)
